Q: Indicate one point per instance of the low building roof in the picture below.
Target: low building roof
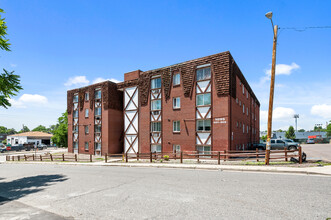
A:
(32, 134)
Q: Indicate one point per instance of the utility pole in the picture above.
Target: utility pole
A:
(272, 87)
(296, 116)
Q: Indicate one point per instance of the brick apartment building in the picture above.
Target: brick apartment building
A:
(204, 104)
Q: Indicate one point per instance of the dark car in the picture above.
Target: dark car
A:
(3, 149)
(17, 147)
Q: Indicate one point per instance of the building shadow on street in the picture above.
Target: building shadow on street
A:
(19, 188)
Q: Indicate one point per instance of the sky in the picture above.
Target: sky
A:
(60, 45)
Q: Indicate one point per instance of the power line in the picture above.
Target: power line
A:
(304, 28)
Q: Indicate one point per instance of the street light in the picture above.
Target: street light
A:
(296, 116)
(272, 86)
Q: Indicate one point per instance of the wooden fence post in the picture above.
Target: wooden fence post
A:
(41, 158)
(257, 154)
(218, 158)
(51, 156)
(198, 152)
(175, 154)
(137, 156)
(285, 150)
(151, 157)
(267, 157)
(76, 157)
(126, 157)
(62, 157)
(91, 158)
(33, 157)
(300, 155)
(13, 158)
(106, 157)
(181, 157)
(18, 157)
(225, 155)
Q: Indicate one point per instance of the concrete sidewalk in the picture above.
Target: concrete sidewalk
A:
(322, 170)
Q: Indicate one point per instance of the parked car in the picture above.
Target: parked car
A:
(310, 141)
(42, 146)
(18, 147)
(3, 148)
(278, 144)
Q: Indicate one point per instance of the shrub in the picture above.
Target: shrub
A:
(166, 157)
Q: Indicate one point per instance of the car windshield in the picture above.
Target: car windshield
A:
(288, 140)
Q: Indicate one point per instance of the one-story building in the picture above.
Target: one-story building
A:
(31, 137)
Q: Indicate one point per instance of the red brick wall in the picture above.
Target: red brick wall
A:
(132, 75)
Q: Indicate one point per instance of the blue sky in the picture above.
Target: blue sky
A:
(59, 45)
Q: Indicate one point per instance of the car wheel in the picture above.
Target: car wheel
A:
(292, 148)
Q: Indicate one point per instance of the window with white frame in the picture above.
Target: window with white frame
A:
(203, 125)
(86, 129)
(75, 145)
(176, 102)
(156, 148)
(75, 128)
(176, 126)
(97, 94)
(86, 113)
(176, 148)
(87, 96)
(75, 98)
(156, 126)
(86, 145)
(204, 99)
(156, 83)
(203, 149)
(97, 128)
(97, 146)
(75, 114)
(156, 105)
(176, 79)
(203, 74)
(97, 111)
(243, 89)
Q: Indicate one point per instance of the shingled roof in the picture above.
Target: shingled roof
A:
(32, 134)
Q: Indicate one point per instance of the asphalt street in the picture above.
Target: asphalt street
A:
(317, 151)
(52, 191)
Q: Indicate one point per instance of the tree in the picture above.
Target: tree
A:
(24, 129)
(9, 82)
(40, 128)
(301, 130)
(264, 138)
(60, 137)
(4, 130)
(328, 130)
(289, 134)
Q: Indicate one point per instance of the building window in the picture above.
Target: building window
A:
(97, 128)
(176, 148)
(237, 124)
(204, 149)
(203, 74)
(86, 129)
(75, 145)
(176, 126)
(86, 145)
(237, 100)
(176, 79)
(97, 94)
(244, 108)
(156, 148)
(86, 113)
(16, 141)
(156, 126)
(156, 105)
(75, 128)
(243, 89)
(176, 102)
(75, 98)
(76, 114)
(87, 96)
(203, 125)
(247, 129)
(204, 99)
(239, 103)
(97, 111)
(97, 146)
(243, 128)
(156, 83)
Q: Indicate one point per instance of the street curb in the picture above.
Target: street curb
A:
(186, 166)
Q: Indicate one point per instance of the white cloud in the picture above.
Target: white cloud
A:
(278, 114)
(100, 79)
(284, 69)
(28, 99)
(13, 65)
(323, 110)
(77, 80)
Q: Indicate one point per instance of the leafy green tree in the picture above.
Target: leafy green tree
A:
(328, 130)
(9, 82)
(4, 142)
(24, 129)
(289, 134)
(60, 137)
(264, 138)
(3, 130)
(40, 128)
(301, 130)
